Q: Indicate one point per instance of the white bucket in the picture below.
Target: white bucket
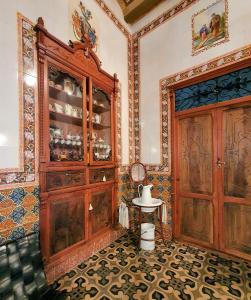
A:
(147, 232)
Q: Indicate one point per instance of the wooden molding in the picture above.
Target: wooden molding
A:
(136, 9)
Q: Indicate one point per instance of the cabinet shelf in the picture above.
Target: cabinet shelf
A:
(65, 118)
(60, 95)
(98, 109)
(100, 126)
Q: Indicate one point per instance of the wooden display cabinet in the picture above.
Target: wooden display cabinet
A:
(77, 161)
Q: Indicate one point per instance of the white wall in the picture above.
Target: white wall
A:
(155, 13)
(112, 50)
(167, 50)
(117, 11)
(8, 64)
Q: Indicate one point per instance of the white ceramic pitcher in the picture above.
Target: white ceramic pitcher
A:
(146, 196)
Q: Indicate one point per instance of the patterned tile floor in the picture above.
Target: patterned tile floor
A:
(174, 271)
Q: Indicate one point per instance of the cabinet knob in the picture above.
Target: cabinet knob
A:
(90, 207)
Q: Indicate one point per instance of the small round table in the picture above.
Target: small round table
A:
(156, 205)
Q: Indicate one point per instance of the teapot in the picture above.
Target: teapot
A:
(146, 196)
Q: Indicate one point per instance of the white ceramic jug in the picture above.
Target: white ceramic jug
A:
(146, 196)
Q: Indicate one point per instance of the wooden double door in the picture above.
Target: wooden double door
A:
(212, 175)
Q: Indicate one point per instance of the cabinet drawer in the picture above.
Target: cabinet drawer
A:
(59, 180)
(101, 175)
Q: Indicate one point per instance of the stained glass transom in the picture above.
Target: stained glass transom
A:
(230, 86)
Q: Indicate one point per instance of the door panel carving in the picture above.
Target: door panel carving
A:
(237, 223)
(237, 152)
(195, 163)
(197, 219)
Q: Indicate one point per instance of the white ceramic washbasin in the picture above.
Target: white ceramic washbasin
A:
(147, 207)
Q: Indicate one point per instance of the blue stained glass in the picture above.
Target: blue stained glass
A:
(230, 86)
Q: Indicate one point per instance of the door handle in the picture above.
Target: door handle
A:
(220, 163)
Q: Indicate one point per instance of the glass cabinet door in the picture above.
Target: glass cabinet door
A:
(101, 126)
(65, 116)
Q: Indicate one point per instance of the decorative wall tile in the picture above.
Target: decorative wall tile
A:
(123, 186)
(17, 195)
(27, 173)
(162, 189)
(19, 212)
(217, 63)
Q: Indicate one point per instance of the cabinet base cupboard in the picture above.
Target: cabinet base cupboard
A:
(77, 154)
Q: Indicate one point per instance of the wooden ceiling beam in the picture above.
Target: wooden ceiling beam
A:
(136, 9)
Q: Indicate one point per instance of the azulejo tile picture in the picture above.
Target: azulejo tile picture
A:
(210, 26)
(171, 271)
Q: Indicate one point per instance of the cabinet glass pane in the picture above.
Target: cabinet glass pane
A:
(101, 126)
(66, 116)
(100, 210)
(67, 222)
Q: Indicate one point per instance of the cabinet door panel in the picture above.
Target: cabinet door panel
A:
(100, 209)
(66, 221)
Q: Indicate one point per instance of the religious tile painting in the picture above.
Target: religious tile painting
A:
(210, 27)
